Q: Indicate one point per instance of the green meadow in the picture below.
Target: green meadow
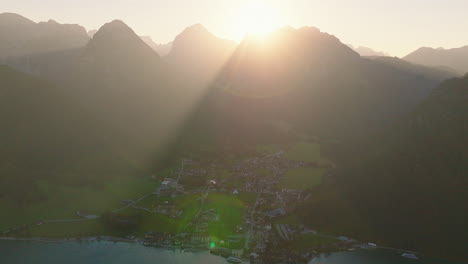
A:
(304, 151)
(230, 210)
(62, 202)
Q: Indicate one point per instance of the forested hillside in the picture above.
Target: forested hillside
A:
(408, 184)
(46, 134)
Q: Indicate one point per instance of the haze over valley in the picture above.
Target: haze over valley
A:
(275, 148)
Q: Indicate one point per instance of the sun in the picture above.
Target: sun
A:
(257, 18)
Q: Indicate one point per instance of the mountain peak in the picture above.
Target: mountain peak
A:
(194, 32)
(197, 27)
(197, 37)
(368, 52)
(51, 21)
(13, 18)
(455, 58)
(117, 41)
(115, 27)
(114, 33)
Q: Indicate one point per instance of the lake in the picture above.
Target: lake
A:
(115, 253)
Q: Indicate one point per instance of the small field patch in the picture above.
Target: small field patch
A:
(268, 149)
(304, 151)
(302, 178)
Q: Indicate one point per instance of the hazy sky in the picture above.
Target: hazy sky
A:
(395, 26)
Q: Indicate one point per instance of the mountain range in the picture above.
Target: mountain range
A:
(456, 59)
(20, 36)
(81, 110)
(310, 79)
(198, 53)
(161, 49)
(368, 52)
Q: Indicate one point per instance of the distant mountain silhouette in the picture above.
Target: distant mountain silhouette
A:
(20, 36)
(434, 73)
(199, 53)
(456, 59)
(368, 52)
(92, 32)
(161, 49)
(312, 80)
(116, 42)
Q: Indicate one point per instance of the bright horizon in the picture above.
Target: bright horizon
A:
(396, 27)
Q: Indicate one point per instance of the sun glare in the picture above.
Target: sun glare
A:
(257, 18)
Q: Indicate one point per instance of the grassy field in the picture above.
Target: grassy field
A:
(302, 178)
(230, 210)
(162, 223)
(228, 207)
(304, 151)
(149, 222)
(62, 202)
(70, 229)
(267, 149)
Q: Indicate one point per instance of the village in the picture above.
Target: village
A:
(243, 211)
(259, 237)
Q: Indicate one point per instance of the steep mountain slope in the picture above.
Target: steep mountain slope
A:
(20, 36)
(161, 49)
(416, 171)
(312, 81)
(198, 53)
(116, 42)
(456, 59)
(125, 82)
(112, 114)
(46, 134)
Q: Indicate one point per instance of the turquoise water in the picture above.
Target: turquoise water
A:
(96, 252)
(116, 253)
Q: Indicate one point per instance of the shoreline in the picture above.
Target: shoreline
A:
(137, 240)
(142, 241)
(73, 239)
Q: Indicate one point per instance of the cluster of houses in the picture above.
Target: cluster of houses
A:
(272, 203)
(169, 186)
